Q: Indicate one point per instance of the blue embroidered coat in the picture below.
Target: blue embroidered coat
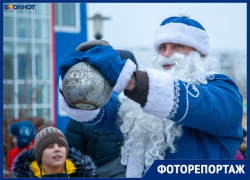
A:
(211, 116)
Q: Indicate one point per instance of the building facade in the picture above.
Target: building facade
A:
(34, 40)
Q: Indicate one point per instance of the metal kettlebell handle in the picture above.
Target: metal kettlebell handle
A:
(90, 44)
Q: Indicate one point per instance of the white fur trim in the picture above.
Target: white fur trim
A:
(60, 83)
(160, 100)
(182, 34)
(125, 75)
(184, 13)
(76, 114)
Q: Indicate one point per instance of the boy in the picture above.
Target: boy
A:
(52, 157)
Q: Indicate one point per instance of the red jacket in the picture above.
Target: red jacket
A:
(14, 152)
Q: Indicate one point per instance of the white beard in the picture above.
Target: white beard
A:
(190, 68)
(147, 137)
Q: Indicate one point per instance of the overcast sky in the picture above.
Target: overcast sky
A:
(133, 25)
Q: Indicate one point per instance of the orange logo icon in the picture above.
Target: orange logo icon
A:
(11, 6)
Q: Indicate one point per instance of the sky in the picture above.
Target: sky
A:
(133, 25)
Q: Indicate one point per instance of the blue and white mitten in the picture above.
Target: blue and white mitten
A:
(117, 71)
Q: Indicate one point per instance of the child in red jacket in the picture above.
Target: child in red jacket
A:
(23, 134)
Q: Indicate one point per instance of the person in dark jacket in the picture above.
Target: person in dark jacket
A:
(104, 148)
(52, 157)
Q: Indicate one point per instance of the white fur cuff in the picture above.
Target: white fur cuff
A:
(160, 99)
(125, 75)
(76, 114)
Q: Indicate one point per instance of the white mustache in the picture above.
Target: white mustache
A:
(176, 58)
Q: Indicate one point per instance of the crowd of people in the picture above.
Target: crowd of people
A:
(181, 109)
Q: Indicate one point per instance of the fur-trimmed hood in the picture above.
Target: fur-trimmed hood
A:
(84, 164)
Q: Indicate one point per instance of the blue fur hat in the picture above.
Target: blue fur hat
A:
(182, 30)
(24, 131)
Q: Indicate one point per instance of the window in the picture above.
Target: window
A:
(27, 81)
(67, 17)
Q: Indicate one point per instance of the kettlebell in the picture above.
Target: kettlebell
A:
(83, 86)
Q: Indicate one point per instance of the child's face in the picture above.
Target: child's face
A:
(54, 155)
